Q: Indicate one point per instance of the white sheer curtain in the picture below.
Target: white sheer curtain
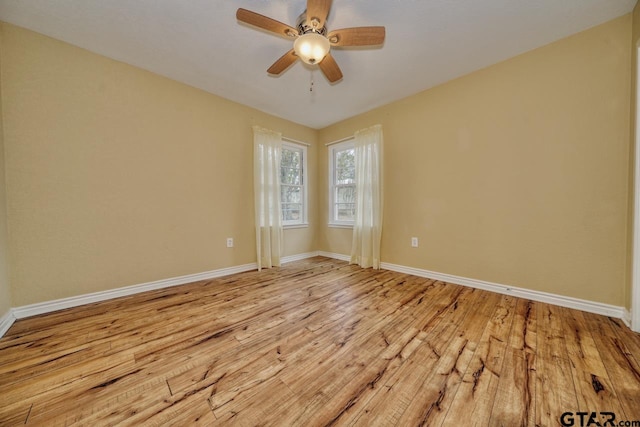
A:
(367, 230)
(267, 146)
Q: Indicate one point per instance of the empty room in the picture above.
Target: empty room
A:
(316, 212)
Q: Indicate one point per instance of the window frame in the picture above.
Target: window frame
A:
(333, 150)
(303, 221)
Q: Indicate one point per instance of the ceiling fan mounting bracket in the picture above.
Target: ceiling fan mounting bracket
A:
(305, 26)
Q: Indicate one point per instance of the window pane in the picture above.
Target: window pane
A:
(345, 211)
(292, 212)
(292, 182)
(342, 177)
(345, 176)
(345, 166)
(346, 194)
(290, 166)
(290, 194)
(290, 158)
(290, 176)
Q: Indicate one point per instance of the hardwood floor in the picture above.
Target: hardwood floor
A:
(317, 342)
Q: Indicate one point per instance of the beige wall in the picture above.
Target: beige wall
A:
(635, 41)
(117, 176)
(5, 291)
(515, 174)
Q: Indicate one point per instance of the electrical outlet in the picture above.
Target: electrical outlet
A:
(229, 242)
(414, 242)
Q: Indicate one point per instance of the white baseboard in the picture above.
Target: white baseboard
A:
(49, 306)
(335, 256)
(60, 304)
(626, 317)
(6, 321)
(298, 257)
(561, 300)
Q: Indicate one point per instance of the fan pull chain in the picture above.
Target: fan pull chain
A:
(311, 83)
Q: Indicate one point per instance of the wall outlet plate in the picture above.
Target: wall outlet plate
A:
(229, 242)
(414, 242)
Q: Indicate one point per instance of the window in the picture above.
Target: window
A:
(293, 183)
(342, 184)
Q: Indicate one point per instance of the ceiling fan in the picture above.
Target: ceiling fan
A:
(312, 43)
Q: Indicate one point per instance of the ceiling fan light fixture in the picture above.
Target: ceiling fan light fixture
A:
(311, 47)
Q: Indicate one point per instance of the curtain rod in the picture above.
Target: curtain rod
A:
(296, 141)
(339, 140)
(284, 138)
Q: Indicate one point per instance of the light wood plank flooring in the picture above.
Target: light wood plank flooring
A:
(317, 342)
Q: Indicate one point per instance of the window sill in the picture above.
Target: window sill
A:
(290, 226)
(331, 225)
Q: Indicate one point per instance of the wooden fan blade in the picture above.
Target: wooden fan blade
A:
(266, 23)
(283, 63)
(358, 36)
(330, 68)
(318, 9)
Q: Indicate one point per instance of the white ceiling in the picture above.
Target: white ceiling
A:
(200, 43)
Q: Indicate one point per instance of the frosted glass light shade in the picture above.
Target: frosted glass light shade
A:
(311, 47)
